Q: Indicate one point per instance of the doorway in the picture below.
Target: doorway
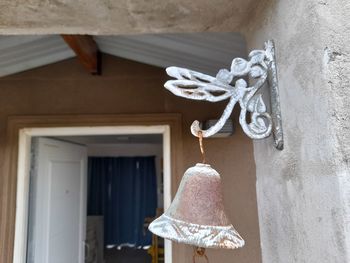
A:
(26, 136)
(124, 194)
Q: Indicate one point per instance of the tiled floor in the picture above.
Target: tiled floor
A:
(127, 255)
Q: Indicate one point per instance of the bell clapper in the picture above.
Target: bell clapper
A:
(199, 252)
(201, 146)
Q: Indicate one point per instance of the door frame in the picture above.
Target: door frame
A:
(13, 228)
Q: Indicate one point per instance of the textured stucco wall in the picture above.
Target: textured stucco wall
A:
(127, 87)
(121, 17)
(304, 191)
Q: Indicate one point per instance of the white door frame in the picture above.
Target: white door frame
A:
(24, 159)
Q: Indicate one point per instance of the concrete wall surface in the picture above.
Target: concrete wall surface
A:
(303, 191)
(127, 87)
(121, 17)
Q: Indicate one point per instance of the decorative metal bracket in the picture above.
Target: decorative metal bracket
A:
(261, 69)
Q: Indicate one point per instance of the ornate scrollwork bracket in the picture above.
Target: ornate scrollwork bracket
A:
(231, 84)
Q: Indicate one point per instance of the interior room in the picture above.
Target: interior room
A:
(124, 193)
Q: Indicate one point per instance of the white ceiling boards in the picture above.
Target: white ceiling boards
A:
(205, 52)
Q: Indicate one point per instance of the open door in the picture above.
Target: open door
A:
(57, 205)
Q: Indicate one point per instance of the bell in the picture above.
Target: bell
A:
(196, 216)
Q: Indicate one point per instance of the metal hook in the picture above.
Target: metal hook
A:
(199, 252)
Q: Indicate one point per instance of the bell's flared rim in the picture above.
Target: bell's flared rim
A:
(205, 236)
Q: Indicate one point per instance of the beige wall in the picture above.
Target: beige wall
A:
(128, 87)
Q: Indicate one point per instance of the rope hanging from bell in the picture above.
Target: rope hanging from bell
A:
(201, 146)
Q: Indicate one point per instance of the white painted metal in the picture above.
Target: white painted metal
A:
(231, 84)
(206, 52)
(57, 206)
(25, 137)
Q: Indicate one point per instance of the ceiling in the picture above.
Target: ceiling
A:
(205, 52)
(114, 139)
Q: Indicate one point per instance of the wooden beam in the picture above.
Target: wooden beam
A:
(86, 49)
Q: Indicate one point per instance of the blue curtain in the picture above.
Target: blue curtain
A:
(124, 191)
